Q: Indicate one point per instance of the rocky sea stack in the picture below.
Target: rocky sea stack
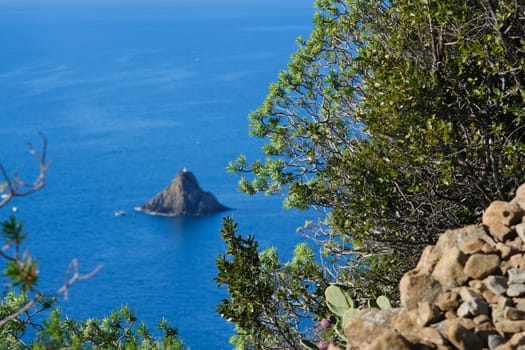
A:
(183, 197)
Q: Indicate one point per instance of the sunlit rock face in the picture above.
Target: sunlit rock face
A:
(183, 197)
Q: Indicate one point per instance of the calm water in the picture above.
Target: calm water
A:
(128, 96)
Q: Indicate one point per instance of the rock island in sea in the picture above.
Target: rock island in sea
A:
(183, 197)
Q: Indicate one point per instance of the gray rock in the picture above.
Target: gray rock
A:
(183, 197)
(516, 276)
(515, 290)
(473, 308)
(495, 340)
(496, 284)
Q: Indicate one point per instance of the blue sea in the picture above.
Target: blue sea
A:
(128, 93)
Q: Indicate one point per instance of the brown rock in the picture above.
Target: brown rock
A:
(498, 309)
(428, 258)
(517, 339)
(514, 314)
(489, 249)
(519, 303)
(479, 266)
(448, 301)
(390, 341)
(427, 313)
(449, 270)
(501, 212)
(515, 244)
(505, 250)
(519, 198)
(453, 238)
(406, 325)
(417, 286)
(481, 319)
(451, 315)
(501, 232)
(508, 326)
(369, 325)
(472, 246)
(461, 337)
(520, 230)
(504, 266)
(431, 335)
(517, 261)
(490, 297)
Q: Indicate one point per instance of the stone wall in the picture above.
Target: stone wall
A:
(466, 292)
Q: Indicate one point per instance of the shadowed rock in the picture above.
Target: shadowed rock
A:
(183, 196)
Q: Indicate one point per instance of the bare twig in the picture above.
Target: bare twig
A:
(16, 187)
(72, 275)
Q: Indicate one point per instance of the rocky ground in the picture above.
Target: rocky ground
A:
(467, 291)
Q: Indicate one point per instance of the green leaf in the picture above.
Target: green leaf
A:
(337, 300)
(383, 303)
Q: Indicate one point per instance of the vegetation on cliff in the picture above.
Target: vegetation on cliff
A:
(398, 119)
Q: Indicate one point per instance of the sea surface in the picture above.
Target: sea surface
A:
(128, 93)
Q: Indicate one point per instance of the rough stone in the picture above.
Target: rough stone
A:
(432, 335)
(472, 246)
(517, 339)
(509, 326)
(505, 250)
(417, 286)
(390, 341)
(517, 261)
(519, 303)
(428, 258)
(499, 307)
(453, 238)
(516, 276)
(183, 197)
(461, 337)
(479, 266)
(514, 314)
(368, 326)
(406, 325)
(449, 270)
(519, 198)
(448, 301)
(520, 230)
(490, 297)
(427, 313)
(472, 308)
(496, 284)
(495, 340)
(484, 330)
(489, 249)
(501, 212)
(501, 232)
(515, 244)
(516, 290)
